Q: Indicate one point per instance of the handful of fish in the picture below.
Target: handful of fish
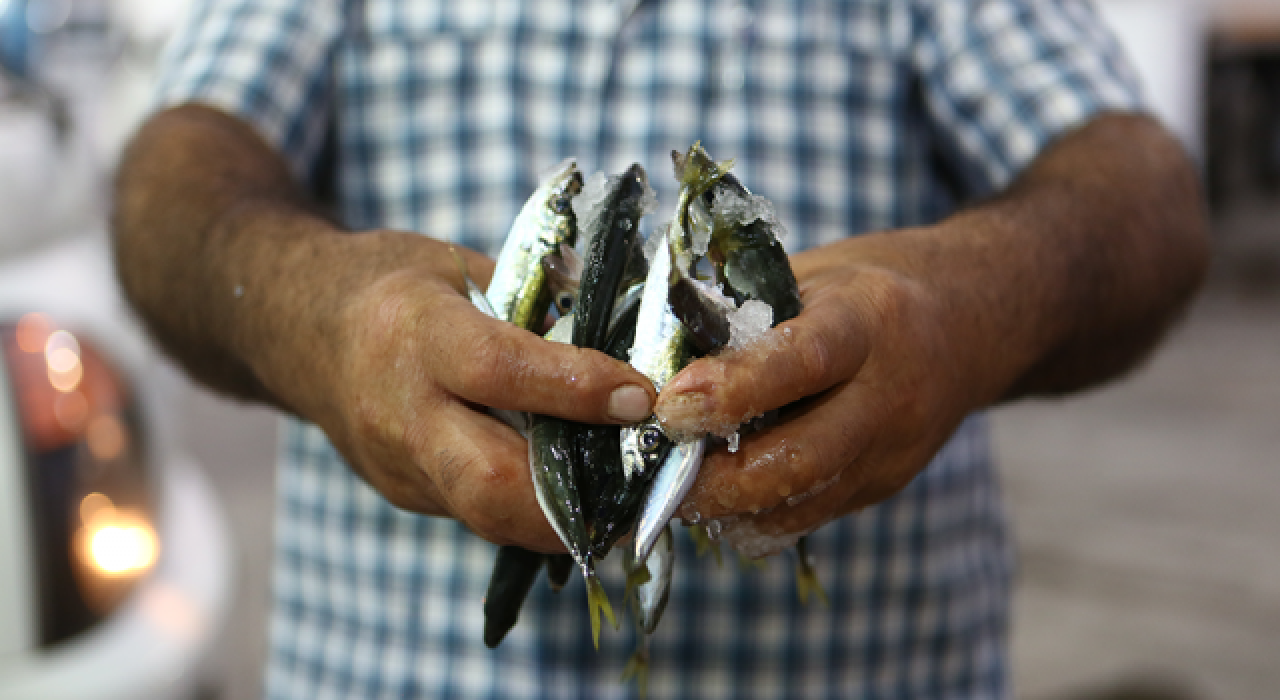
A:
(576, 249)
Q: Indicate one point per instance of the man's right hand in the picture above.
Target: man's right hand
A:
(368, 335)
(418, 365)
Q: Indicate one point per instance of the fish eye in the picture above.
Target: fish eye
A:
(650, 438)
(560, 205)
(564, 302)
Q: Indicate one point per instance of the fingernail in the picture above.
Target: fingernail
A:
(629, 404)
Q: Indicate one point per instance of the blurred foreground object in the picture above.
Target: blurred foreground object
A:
(115, 562)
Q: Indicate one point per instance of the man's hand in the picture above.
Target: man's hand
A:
(418, 364)
(875, 378)
(368, 335)
(1066, 280)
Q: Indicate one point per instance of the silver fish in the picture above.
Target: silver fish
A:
(659, 352)
(674, 479)
(519, 291)
(650, 596)
(661, 355)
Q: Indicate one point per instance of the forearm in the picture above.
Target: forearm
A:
(236, 274)
(1070, 277)
(188, 184)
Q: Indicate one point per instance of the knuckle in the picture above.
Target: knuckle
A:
(812, 358)
(884, 295)
(371, 422)
(487, 364)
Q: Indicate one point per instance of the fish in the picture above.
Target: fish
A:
(651, 589)
(807, 582)
(519, 291)
(664, 345)
(514, 571)
(557, 455)
(648, 589)
(745, 247)
(743, 242)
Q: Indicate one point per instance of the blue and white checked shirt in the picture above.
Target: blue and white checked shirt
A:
(850, 116)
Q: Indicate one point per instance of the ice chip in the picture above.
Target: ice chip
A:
(593, 191)
(734, 211)
(654, 240)
(587, 207)
(648, 202)
(749, 323)
(714, 528)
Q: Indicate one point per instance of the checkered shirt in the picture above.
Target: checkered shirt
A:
(852, 116)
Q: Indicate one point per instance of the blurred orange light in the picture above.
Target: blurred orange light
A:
(119, 542)
(121, 549)
(62, 355)
(32, 332)
(106, 437)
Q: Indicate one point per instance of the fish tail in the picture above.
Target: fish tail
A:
(638, 668)
(598, 602)
(704, 543)
(807, 580)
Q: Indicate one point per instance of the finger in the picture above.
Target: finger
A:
(481, 468)
(804, 455)
(768, 533)
(420, 328)
(801, 357)
(500, 365)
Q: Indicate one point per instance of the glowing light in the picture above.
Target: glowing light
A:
(121, 550)
(71, 411)
(106, 437)
(62, 356)
(119, 542)
(93, 503)
(34, 328)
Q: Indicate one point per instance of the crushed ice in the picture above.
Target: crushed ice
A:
(749, 323)
(588, 207)
(654, 240)
(649, 201)
(742, 210)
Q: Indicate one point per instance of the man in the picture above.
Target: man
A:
(1082, 240)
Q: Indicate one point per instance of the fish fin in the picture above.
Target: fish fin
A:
(637, 577)
(705, 544)
(598, 602)
(746, 563)
(807, 580)
(638, 668)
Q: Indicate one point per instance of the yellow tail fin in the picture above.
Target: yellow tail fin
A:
(597, 602)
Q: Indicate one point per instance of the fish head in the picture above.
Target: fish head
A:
(561, 184)
(644, 446)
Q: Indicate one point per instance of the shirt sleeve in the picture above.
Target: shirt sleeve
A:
(268, 62)
(1001, 79)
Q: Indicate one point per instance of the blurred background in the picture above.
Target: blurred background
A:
(1147, 514)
